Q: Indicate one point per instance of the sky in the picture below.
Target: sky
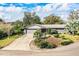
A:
(15, 11)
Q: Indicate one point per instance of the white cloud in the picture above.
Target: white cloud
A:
(38, 8)
(44, 10)
(64, 7)
(13, 9)
(59, 8)
(11, 13)
(1, 8)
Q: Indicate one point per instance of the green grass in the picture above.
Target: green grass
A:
(6, 41)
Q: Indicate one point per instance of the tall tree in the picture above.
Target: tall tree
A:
(6, 28)
(30, 18)
(18, 26)
(51, 19)
(74, 15)
(36, 20)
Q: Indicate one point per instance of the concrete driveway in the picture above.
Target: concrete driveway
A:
(20, 43)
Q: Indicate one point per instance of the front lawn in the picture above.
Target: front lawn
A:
(6, 41)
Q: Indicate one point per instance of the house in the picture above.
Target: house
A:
(31, 29)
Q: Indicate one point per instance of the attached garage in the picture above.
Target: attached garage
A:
(32, 29)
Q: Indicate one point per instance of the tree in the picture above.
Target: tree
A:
(26, 19)
(51, 19)
(72, 27)
(36, 20)
(30, 18)
(6, 28)
(74, 15)
(1, 20)
(3, 34)
(17, 27)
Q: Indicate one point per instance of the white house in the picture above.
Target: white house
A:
(59, 27)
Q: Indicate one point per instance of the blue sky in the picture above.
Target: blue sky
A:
(15, 11)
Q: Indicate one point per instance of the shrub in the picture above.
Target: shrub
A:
(47, 45)
(50, 46)
(43, 44)
(2, 34)
(56, 35)
(17, 31)
(77, 33)
(39, 35)
(62, 36)
(37, 41)
(49, 31)
(52, 31)
(66, 42)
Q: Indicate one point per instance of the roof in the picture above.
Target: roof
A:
(39, 26)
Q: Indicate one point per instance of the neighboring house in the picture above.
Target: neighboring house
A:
(31, 29)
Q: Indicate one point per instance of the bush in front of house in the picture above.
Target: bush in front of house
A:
(77, 33)
(43, 44)
(37, 41)
(52, 31)
(66, 42)
(48, 31)
(49, 46)
(56, 35)
(38, 34)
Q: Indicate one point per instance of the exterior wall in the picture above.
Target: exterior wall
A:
(32, 29)
(61, 31)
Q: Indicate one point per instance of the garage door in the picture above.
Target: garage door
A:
(30, 31)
